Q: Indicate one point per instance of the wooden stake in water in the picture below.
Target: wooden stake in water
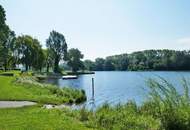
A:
(92, 88)
(92, 102)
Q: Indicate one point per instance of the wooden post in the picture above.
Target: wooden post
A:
(92, 88)
(92, 102)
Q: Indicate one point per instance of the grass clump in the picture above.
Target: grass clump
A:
(168, 105)
(119, 117)
(74, 95)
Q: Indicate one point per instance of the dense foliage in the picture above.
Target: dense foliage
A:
(27, 48)
(57, 45)
(74, 59)
(143, 60)
(6, 41)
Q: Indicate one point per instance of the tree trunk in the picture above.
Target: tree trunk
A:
(5, 65)
(26, 67)
(56, 65)
(47, 68)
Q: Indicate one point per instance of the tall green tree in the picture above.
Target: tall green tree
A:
(9, 60)
(28, 50)
(57, 45)
(39, 61)
(48, 59)
(3, 33)
(74, 59)
(6, 40)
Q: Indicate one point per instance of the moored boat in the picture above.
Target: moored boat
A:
(69, 77)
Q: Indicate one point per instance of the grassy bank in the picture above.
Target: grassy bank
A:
(27, 88)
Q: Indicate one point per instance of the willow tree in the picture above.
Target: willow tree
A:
(57, 45)
(29, 52)
(74, 59)
(39, 61)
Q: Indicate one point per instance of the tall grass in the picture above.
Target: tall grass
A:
(119, 117)
(168, 104)
(165, 93)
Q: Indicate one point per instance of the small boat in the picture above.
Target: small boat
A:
(69, 77)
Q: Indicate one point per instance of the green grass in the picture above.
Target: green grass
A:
(37, 118)
(26, 88)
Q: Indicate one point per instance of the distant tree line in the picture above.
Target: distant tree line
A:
(27, 51)
(142, 60)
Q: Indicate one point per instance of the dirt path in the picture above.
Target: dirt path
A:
(13, 104)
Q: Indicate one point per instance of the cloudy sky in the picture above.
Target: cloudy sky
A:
(104, 27)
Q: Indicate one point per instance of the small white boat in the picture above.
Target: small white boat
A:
(69, 77)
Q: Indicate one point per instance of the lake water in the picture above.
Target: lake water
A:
(119, 86)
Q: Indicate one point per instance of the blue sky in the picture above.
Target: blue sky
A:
(100, 28)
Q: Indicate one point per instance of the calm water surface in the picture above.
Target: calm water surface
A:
(119, 87)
